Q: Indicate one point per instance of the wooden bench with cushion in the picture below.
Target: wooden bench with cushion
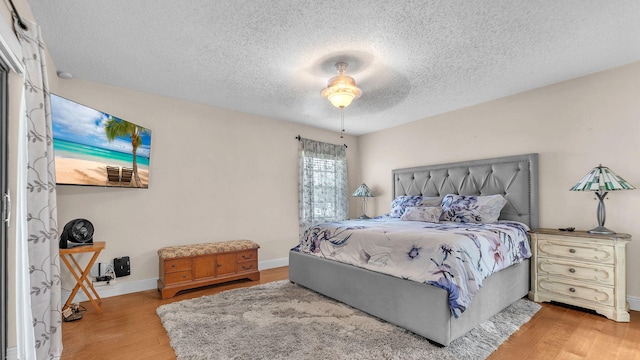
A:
(191, 266)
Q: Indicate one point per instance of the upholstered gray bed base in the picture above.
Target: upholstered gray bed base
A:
(420, 308)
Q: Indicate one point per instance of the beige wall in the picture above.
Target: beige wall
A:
(214, 175)
(573, 125)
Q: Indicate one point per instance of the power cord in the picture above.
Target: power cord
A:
(109, 274)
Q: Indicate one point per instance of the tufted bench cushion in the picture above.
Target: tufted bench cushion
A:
(172, 252)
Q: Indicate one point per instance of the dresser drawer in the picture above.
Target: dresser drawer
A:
(248, 266)
(566, 288)
(179, 276)
(249, 255)
(601, 274)
(178, 264)
(603, 254)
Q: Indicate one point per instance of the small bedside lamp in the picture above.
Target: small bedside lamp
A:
(601, 180)
(364, 192)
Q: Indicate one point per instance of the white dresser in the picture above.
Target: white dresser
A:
(580, 269)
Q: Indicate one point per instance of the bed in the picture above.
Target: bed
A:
(419, 307)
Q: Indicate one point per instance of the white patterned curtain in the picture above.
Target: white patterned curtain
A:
(40, 229)
(324, 193)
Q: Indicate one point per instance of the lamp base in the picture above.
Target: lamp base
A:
(364, 217)
(601, 230)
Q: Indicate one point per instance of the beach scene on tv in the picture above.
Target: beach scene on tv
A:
(94, 148)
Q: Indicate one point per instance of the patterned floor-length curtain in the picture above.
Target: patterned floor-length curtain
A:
(324, 192)
(41, 211)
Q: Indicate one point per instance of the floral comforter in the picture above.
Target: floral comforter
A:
(452, 256)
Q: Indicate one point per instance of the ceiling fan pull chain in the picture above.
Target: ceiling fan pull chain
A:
(342, 122)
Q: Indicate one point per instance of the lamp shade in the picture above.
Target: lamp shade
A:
(602, 179)
(363, 191)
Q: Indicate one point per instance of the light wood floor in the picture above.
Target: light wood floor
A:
(129, 328)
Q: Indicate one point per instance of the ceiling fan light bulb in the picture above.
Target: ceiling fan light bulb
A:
(341, 99)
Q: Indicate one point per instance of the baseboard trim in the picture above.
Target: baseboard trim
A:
(634, 303)
(12, 353)
(272, 264)
(119, 288)
(128, 287)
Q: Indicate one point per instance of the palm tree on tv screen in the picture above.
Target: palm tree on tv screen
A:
(117, 127)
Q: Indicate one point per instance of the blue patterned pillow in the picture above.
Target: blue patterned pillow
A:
(401, 203)
(472, 209)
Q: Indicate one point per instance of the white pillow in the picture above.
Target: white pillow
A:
(422, 213)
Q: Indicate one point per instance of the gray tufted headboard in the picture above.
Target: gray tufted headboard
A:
(514, 177)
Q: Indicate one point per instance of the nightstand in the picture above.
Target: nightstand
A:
(580, 269)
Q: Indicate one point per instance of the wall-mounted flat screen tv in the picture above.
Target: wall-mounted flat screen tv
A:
(94, 148)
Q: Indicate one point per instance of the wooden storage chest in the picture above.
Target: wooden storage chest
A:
(191, 266)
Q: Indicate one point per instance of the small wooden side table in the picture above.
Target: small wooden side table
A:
(81, 275)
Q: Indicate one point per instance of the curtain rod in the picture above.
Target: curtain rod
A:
(299, 138)
(17, 15)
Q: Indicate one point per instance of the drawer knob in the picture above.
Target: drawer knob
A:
(244, 267)
(573, 251)
(572, 289)
(572, 270)
(219, 265)
(184, 276)
(173, 265)
(247, 257)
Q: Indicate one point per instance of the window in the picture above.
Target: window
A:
(324, 187)
(323, 183)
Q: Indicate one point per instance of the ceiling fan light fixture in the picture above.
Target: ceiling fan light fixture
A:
(341, 89)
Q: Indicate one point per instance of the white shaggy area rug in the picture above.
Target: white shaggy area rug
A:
(281, 320)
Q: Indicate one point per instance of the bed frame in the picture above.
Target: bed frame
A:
(421, 308)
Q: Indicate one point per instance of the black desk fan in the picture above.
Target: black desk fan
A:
(77, 232)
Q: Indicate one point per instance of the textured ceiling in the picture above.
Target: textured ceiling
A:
(412, 59)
